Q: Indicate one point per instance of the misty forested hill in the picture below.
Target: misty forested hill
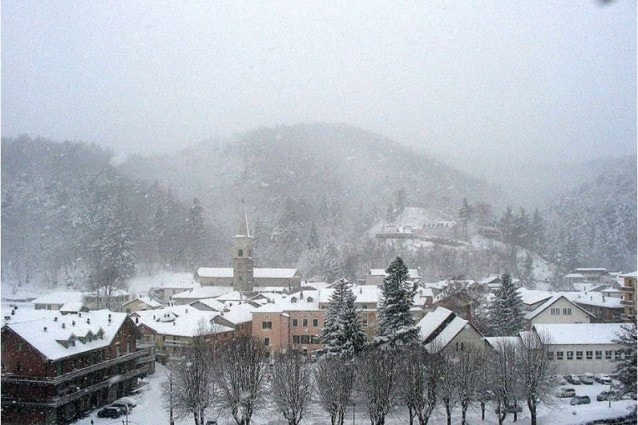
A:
(332, 180)
(312, 192)
(594, 225)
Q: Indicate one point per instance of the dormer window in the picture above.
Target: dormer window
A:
(293, 300)
(240, 253)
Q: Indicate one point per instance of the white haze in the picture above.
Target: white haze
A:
(480, 83)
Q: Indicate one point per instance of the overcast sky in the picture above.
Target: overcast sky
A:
(500, 79)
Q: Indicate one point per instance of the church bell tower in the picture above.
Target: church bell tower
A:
(243, 244)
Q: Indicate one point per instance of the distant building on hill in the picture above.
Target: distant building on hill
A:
(243, 276)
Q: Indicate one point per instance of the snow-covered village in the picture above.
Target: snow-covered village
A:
(311, 213)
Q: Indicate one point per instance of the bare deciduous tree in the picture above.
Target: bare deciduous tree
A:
(419, 374)
(334, 378)
(536, 372)
(503, 367)
(291, 385)
(467, 371)
(241, 372)
(376, 373)
(190, 388)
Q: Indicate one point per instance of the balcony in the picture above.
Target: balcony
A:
(60, 401)
(55, 380)
(628, 302)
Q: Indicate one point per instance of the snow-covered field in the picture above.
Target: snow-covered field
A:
(150, 410)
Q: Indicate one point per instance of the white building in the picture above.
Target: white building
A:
(581, 348)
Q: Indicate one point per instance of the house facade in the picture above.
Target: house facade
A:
(558, 309)
(54, 368)
(629, 296)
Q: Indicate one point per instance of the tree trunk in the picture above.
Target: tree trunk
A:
(411, 414)
(463, 412)
(448, 413)
(482, 410)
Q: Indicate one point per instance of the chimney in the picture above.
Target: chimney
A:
(55, 319)
(73, 323)
(88, 321)
(63, 326)
(45, 329)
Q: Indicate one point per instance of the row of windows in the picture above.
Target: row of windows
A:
(589, 355)
(556, 311)
(305, 339)
(304, 323)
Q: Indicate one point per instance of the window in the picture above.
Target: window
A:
(364, 323)
(305, 339)
(589, 355)
(599, 355)
(579, 355)
(570, 355)
(314, 339)
(304, 323)
(295, 339)
(295, 322)
(619, 355)
(266, 325)
(240, 253)
(315, 323)
(550, 355)
(608, 355)
(559, 355)
(266, 342)
(567, 312)
(555, 311)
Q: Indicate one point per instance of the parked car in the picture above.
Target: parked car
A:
(560, 380)
(603, 378)
(573, 379)
(606, 395)
(580, 399)
(109, 412)
(127, 403)
(587, 379)
(211, 422)
(122, 406)
(566, 392)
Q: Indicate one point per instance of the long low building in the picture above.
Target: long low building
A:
(582, 347)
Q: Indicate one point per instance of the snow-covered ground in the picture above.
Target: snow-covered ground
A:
(150, 410)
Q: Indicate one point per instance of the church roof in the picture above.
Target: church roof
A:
(258, 273)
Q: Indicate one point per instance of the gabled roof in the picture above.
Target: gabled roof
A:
(204, 292)
(238, 313)
(261, 273)
(64, 334)
(364, 294)
(59, 297)
(73, 307)
(146, 300)
(547, 304)
(439, 327)
(180, 321)
(215, 272)
(208, 303)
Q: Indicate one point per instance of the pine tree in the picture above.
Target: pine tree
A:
(342, 335)
(506, 311)
(626, 366)
(396, 325)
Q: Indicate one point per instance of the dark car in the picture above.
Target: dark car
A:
(606, 395)
(110, 412)
(580, 399)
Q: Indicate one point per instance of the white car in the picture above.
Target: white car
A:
(603, 378)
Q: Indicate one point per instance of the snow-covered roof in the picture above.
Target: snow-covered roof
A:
(632, 274)
(146, 300)
(204, 292)
(258, 273)
(439, 327)
(211, 303)
(500, 342)
(60, 297)
(590, 269)
(180, 321)
(412, 273)
(550, 302)
(364, 294)
(215, 271)
(297, 301)
(490, 279)
(63, 332)
(73, 307)
(238, 313)
(533, 296)
(574, 276)
(114, 292)
(594, 299)
(579, 333)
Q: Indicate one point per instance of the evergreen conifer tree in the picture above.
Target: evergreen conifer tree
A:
(626, 366)
(506, 311)
(342, 335)
(396, 325)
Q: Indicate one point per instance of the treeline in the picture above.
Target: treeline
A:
(69, 217)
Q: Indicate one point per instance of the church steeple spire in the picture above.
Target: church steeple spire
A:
(243, 256)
